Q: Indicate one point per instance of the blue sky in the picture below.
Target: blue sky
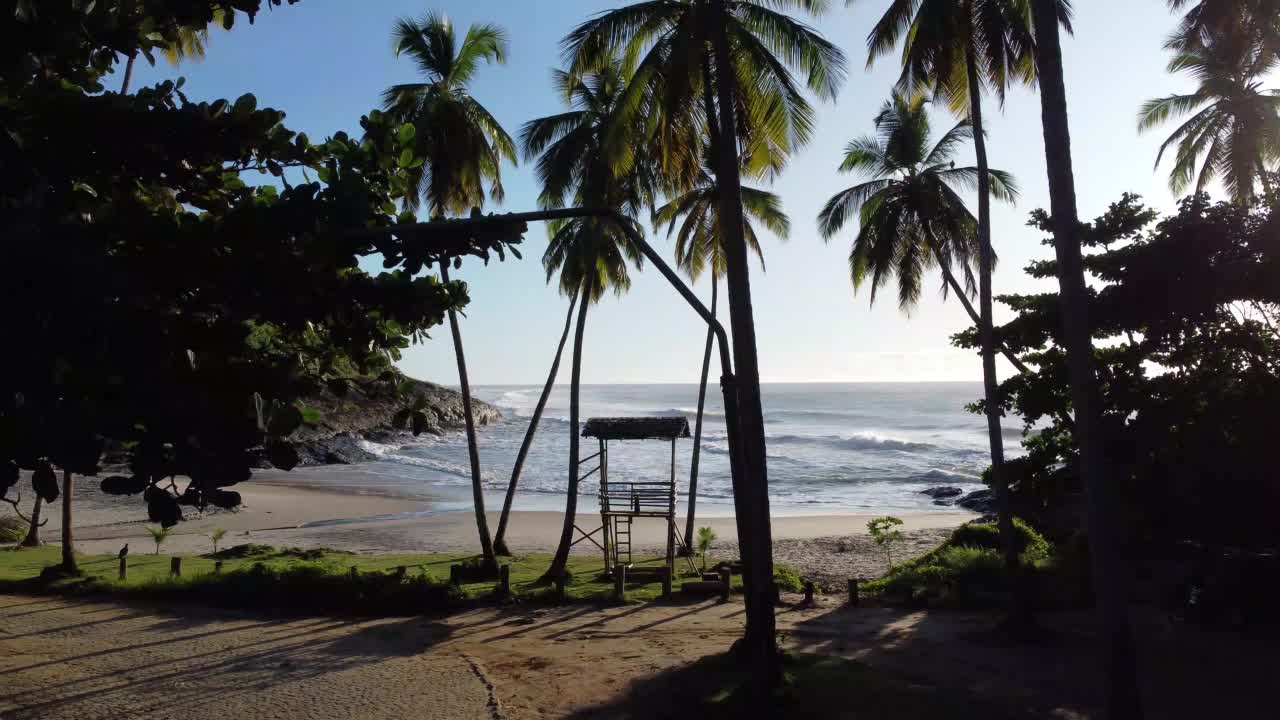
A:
(325, 63)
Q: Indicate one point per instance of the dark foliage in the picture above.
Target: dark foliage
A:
(1186, 325)
(158, 302)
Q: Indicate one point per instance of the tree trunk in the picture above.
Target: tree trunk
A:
(33, 534)
(500, 540)
(473, 450)
(561, 559)
(1119, 658)
(697, 425)
(68, 537)
(1268, 190)
(128, 75)
(986, 332)
(752, 498)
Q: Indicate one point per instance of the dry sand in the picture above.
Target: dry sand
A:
(307, 509)
(91, 661)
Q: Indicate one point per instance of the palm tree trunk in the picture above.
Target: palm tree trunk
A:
(1119, 658)
(561, 559)
(33, 533)
(986, 333)
(128, 75)
(697, 425)
(752, 497)
(68, 537)
(500, 540)
(1014, 360)
(1265, 177)
(473, 450)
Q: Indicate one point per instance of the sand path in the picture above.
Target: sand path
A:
(62, 659)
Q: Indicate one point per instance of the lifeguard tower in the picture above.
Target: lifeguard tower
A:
(621, 503)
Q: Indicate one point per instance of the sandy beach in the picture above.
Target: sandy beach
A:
(312, 508)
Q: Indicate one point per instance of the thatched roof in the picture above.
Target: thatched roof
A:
(637, 428)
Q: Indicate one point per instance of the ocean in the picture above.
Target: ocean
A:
(832, 448)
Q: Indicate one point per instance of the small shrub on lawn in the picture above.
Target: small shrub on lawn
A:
(12, 529)
(787, 578)
(1029, 543)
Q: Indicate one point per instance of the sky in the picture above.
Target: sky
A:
(325, 63)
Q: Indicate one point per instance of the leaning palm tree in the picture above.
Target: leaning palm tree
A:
(464, 147)
(736, 57)
(1112, 602)
(1233, 133)
(700, 248)
(587, 256)
(911, 217)
(956, 49)
(191, 45)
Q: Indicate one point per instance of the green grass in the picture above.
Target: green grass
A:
(258, 576)
(815, 686)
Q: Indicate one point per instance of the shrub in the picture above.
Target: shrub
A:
(787, 578)
(12, 529)
(1030, 544)
(885, 533)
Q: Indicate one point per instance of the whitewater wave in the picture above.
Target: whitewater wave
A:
(857, 441)
(391, 454)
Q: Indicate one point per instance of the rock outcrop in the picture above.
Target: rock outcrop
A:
(365, 412)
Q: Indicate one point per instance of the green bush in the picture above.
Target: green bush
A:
(1030, 543)
(787, 578)
(12, 529)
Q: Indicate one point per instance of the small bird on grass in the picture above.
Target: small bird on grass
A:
(124, 551)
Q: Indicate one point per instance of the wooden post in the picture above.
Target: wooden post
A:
(355, 573)
(726, 579)
(504, 581)
(666, 582)
(455, 574)
(620, 583)
(124, 568)
(217, 566)
(175, 567)
(401, 570)
(605, 534)
(853, 592)
(561, 585)
(808, 592)
(671, 513)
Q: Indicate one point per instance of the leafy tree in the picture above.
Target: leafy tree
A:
(884, 534)
(699, 247)
(736, 56)
(589, 254)
(1234, 129)
(159, 535)
(170, 266)
(464, 146)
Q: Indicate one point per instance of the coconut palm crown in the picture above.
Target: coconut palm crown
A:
(464, 145)
(910, 214)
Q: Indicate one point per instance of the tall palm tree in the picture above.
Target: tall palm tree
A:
(736, 56)
(464, 146)
(956, 49)
(699, 247)
(192, 44)
(1206, 19)
(910, 215)
(1119, 657)
(1234, 129)
(590, 255)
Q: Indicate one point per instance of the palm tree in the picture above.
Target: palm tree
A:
(1119, 657)
(464, 146)
(699, 247)
(576, 162)
(500, 538)
(735, 55)
(911, 217)
(955, 49)
(1234, 129)
(191, 45)
(1206, 19)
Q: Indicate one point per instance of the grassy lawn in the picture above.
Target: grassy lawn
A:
(260, 576)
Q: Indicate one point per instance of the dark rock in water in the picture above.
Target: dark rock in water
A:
(942, 491)
(365, 412)
(980, 501)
